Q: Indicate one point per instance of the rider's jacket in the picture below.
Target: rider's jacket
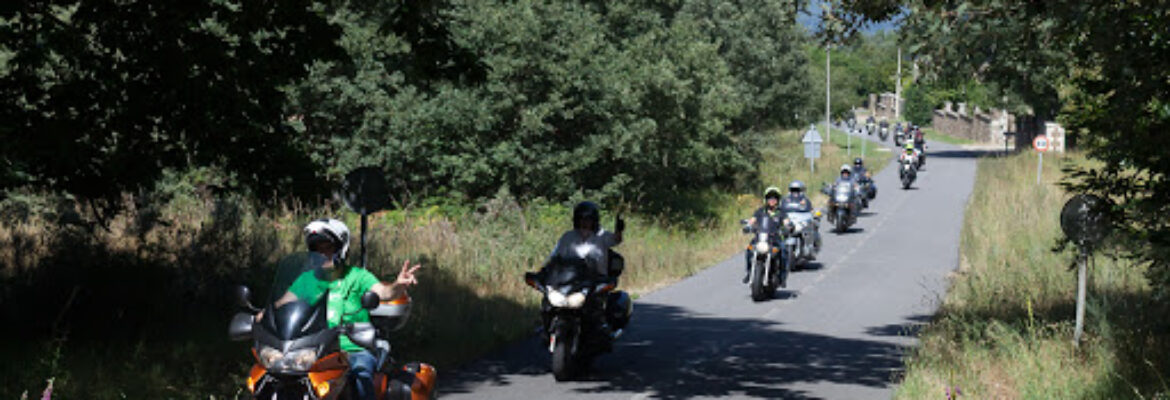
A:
(859, 173)
(594, 248)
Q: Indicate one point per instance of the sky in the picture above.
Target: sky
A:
(812, 21)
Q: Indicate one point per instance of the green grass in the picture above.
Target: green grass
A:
(1005, 328)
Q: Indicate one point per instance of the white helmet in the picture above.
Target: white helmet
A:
(846, 168)
(331, 230)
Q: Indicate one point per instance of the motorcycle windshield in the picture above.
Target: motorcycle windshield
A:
(565, 271)
(843, 191)
(796, 206)
(303, 276)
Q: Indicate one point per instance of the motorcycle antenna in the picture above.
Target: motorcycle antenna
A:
(365, 192)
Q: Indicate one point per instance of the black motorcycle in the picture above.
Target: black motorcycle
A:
(884, 130)
(582, 315)
(769, 268)
(298, 355)
(843, 206)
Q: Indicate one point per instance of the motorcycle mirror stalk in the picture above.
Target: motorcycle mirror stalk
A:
(244, 299)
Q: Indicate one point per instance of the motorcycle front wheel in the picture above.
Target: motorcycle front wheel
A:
(759, 292)
(842, 224)
(564, 366)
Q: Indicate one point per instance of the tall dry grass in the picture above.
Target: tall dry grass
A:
(1005, 328)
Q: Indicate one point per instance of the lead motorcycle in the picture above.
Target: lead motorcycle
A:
(581, 313)
(907, 171)
(804, 237)
(769, 268)
(298, 355)
(843, 206)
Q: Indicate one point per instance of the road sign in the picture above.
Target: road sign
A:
(812, 146)
(1084, 221)
(1041, 143)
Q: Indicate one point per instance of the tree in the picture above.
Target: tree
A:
(1099, 67)
(101, 96)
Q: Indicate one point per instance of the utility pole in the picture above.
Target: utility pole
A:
(828, 72)
(828, 130)
(898, 88)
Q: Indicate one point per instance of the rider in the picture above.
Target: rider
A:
(920, 144)
(909, 154)
(864, 177)
(796, 198)
(770, 209)
(587, 230)
(346, 284)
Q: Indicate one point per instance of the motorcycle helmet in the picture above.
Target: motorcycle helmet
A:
(772, 191)
(328, 229)
(858, 162)
(796, 187)
(845, 168)
(586, 210)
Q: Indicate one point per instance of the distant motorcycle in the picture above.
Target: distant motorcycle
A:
(581, 313)
(900, 137)
(884, 131)
(769, 269)
(804, 237)
(907, 171)
(843, 206)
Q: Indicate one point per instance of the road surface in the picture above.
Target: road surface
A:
(837, 332)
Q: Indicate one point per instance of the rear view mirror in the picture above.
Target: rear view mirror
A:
(241, 327)
(244, 299)
(370, 300)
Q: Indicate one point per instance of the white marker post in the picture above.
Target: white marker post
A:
(1041, 144)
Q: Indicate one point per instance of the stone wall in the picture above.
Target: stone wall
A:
(979, 126)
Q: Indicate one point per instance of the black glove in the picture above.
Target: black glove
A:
(620, 224)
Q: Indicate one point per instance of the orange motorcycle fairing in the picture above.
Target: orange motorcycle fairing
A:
(254, 376)
(423, 387)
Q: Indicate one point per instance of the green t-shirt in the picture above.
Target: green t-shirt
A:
(345, 296)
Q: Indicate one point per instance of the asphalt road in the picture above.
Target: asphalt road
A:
(837, 332)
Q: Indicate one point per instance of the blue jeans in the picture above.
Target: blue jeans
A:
(362, 365)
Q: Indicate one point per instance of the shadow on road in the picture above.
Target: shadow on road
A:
(910, 328)
(673, 354)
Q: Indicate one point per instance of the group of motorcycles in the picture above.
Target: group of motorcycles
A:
(908, 164)
(297, 355)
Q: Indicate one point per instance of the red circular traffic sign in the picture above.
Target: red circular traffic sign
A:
(1041, 143)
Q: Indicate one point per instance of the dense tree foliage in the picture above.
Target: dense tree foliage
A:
(455, 98)
(101, 96)
(1100, 67)
(631, 100)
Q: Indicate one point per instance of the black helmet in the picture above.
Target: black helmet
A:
(586, 210)
(858, 162)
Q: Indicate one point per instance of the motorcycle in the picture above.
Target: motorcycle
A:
(769, 268)
(843, 206)
(298, 355)
(581, 313)
(804, 237)
(907, 171)
(884, 131)
(900, 137)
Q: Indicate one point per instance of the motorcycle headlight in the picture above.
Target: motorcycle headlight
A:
(575, 300)
(296, 360)
(762, 246)
(841, 197)
(556, 298)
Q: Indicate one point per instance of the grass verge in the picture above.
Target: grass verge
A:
(1005, 328)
